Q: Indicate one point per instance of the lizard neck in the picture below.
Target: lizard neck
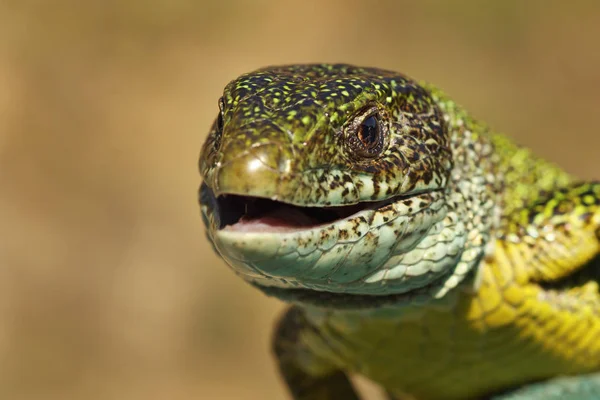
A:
(526, 178)
(518, 177)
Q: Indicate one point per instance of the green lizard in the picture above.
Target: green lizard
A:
(418, 248)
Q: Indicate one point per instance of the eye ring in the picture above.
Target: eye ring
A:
(366, 135)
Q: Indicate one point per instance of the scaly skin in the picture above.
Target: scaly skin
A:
(467, 266)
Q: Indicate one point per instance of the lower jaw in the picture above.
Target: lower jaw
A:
(345, 301)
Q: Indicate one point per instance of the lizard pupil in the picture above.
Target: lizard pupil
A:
(368, 131)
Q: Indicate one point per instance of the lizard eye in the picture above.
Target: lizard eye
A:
(366, 134)
(219, 124)
(369, 132)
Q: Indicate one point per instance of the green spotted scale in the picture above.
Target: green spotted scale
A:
(416, 246)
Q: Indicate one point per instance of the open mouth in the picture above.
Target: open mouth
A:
(254, 214)
(303, 253)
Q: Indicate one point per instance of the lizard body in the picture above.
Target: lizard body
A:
(419, 248)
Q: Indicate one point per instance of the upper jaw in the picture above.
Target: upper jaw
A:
(272, 172)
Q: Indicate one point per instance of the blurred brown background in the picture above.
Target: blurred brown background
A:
(108, 289)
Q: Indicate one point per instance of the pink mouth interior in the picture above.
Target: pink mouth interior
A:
(282, 219)
(244, 214)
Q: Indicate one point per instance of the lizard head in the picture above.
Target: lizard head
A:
(332, 182)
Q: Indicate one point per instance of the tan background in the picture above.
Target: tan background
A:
(108, 289)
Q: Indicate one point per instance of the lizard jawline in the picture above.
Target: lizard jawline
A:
(255, 214)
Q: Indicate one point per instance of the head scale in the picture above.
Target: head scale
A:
(301, 123)
(341, 180)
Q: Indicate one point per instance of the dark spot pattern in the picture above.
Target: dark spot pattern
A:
(308, 112)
